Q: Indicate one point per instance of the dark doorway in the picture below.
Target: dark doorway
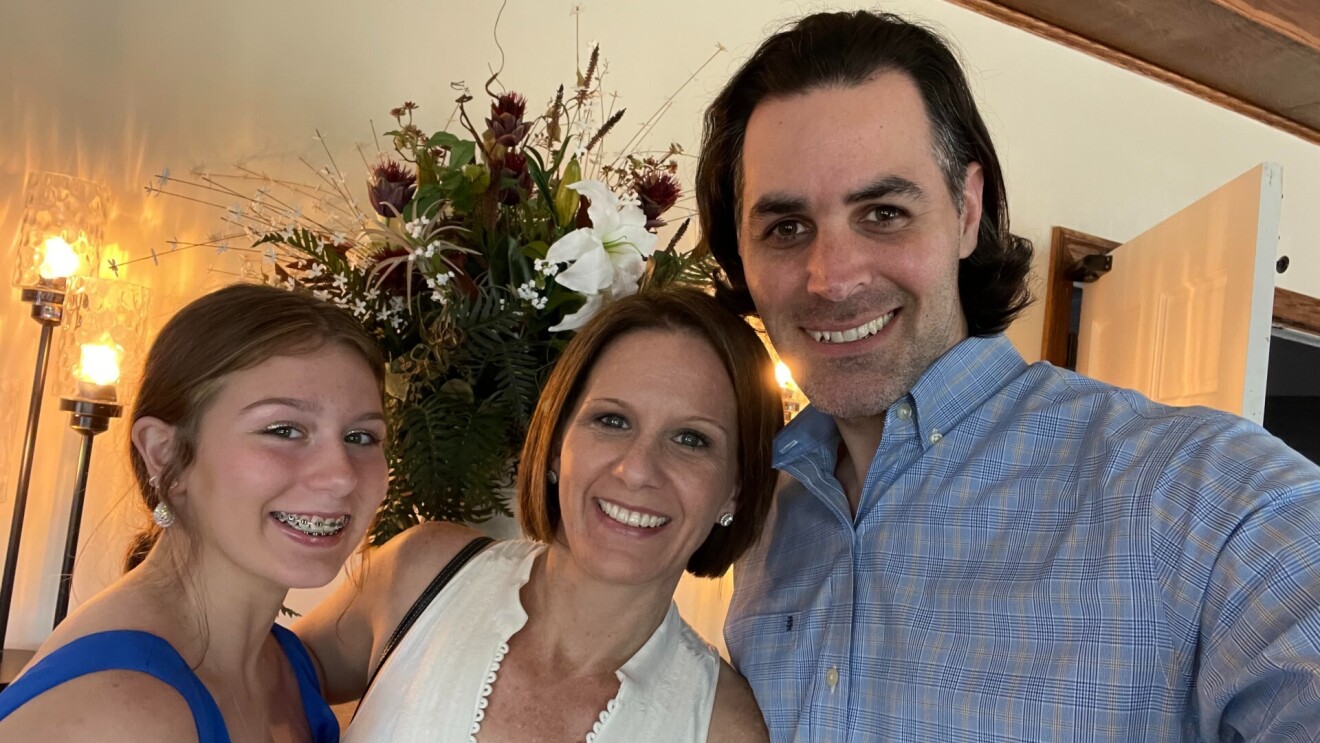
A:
(1292, 394)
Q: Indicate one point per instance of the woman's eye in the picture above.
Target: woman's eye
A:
(611, 420)
(362, 438)
(284, 431)
(692, 440)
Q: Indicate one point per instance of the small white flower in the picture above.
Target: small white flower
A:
(315, 271)
(341, 282)
(269, 255)
(373, 294)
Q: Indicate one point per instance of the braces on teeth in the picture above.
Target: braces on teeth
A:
(313, 525)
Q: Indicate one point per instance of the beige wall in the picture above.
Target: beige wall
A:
(115, 90)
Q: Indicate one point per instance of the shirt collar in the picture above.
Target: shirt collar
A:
(961, 381)
(948, 391)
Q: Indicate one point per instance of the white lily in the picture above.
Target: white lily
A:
(607, 258)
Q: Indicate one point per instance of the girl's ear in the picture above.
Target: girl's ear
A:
(153, 439)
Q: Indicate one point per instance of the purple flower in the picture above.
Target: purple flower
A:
(391, 188)
(506, 119)
(512, 168)
(657, 191)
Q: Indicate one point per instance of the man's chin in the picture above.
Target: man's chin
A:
(847, 402)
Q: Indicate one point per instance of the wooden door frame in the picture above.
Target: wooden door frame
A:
(1292, 310)
(1067, 248)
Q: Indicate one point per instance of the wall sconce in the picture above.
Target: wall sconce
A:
(59, 237)
(105, 329)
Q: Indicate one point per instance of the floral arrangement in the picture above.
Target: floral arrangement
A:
(478, 253)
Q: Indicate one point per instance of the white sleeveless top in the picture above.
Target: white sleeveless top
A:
(434, 686)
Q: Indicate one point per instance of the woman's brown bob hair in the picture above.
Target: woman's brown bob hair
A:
(228, 330)
(760, 412)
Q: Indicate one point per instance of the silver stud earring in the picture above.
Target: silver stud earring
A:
(726, 519)
(552, 477)
(162, 515)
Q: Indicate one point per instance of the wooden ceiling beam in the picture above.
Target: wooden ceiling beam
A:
(1298, 20)
(1046, 30)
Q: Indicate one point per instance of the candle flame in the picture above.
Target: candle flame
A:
(783, 375)
(99, 363)
(59, 260)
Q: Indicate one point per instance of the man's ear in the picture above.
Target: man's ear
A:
(154, 440)
(973, 200)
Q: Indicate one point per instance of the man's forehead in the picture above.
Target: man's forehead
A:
(830, 142)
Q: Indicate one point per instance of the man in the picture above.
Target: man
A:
(965, 547)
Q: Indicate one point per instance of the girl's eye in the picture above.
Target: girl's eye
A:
(362, 438)
(692, 440)
(284, 431)
(612, 420)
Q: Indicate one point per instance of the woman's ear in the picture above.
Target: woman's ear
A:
(731, 505)
(153, 439)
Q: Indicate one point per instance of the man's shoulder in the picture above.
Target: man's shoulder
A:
(1046, 389)
(1122, 420)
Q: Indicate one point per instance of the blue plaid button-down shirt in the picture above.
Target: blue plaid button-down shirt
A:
(1036, 556)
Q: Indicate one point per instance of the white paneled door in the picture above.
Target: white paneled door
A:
(1184, 314)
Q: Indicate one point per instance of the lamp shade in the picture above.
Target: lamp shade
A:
(103, 317)
(60, 235)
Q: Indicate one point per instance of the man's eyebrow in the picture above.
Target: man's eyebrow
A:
(892, 185)
(776, 204)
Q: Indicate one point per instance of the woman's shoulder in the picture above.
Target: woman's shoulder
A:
(736, 716)
(113, 706)
(408, 562)
(397, 572)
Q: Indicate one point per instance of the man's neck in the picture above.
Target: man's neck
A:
(859, 438)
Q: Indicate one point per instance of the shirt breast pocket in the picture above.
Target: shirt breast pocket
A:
(778, 653)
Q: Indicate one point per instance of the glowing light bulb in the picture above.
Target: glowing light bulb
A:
(783, 375)
(99, 364)
(59, 260)
(98, 369)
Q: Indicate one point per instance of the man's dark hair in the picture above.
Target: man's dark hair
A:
(845, 50)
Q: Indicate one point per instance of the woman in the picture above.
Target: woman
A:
(256, 445)
(648, 455)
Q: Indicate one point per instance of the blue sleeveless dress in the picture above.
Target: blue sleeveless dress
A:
(133, 650)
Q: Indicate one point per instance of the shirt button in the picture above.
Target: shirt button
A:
(832, 677)
(936, 437)
(904, 412)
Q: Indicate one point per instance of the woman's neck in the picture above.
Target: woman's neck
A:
(216, 616)
(584, 625)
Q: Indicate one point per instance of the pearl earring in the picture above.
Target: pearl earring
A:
(552, 477)
(726, 519)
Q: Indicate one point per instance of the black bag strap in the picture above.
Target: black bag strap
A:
(455, 564)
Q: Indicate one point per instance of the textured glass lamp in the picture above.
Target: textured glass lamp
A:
(59, 237)
(105, 329)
